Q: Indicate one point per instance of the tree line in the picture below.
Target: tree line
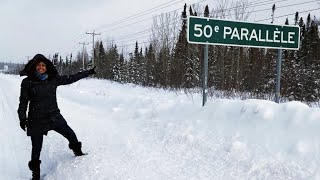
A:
(170, 62)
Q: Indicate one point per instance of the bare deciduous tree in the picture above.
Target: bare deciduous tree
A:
(165, 30)
(241, 10)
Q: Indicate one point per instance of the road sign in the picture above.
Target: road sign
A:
(238, 33)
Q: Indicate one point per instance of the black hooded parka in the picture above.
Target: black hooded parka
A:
(43, 114)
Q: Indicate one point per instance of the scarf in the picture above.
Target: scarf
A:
(41, 76)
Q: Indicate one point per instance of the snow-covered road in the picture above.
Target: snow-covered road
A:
(13, 142)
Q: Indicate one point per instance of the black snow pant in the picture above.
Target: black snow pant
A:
(37, 140)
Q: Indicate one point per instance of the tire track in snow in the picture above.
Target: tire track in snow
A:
(15, 147)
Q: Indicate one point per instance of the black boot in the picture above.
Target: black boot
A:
(76, 148)
(34, 166)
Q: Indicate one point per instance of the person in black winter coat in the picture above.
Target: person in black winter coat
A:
(38, 90)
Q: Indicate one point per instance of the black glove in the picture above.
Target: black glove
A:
(23, 124)
(92, 71)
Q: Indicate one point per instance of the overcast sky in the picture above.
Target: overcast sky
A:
(29, 27)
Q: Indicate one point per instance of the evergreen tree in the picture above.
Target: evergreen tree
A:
(114, 60)
(136, 74)
(296, 18)
(142, 68)
(288, 71)
(122, 70)
(151, 66)
(311, 41)
(193, 63)
(162, 67)
(178, 65)
(302, 61)
(101, 61)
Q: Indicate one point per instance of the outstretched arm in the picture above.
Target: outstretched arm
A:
(68, 79)
(24, 99)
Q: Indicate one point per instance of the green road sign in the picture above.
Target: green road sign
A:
(238, 33)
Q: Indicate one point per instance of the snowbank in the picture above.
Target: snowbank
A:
(132, 132)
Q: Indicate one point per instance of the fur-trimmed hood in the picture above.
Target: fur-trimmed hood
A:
(30, 67)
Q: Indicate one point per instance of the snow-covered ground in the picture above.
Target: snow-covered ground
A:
(138, 133)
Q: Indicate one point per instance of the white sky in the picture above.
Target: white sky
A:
(42, 26)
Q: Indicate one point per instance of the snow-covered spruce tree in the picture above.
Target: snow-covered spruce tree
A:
(269, 66)
(122, 69)
(180, 52)
(142, 68)
(287, 70)
(162, 67)
(253, 70)
(114, 59)
(76, 63)
(290, 68)
(100, 61)
(192, 65)
(150, 66)
(311, 61)
(136, 69)
(303, 63)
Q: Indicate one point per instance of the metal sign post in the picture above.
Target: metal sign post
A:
(205, 75)
(279, 60)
